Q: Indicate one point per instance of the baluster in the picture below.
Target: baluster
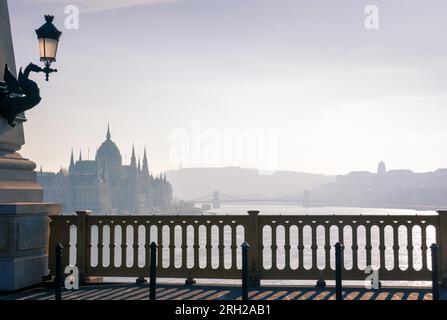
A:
(287, 246)
(233, 247)
(123, 245)
(147, 245)
(88, 251)
(382, 246)
(355, 247)
(221, 246)
(160, 246)
(172, 246)
(300, 246)
(368, 246)
(327, 247)
(274, 248)
(196, 246)
(314, 246)
(135, 244)
(424, 246)
(396, 246)
(341, 237)
(100, 244)
(184, 246)
(208, 246)
(112, 245)
(410, 246)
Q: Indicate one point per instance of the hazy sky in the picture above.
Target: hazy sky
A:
(335, 96)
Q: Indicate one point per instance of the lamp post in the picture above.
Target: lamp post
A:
(19, 95)
(48, 36)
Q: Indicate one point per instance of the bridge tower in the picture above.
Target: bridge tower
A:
(306, 199)
(216, 200)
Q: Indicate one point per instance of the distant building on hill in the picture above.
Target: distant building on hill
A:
(393, 188)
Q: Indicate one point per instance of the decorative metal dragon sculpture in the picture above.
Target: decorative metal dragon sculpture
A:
(18, 95)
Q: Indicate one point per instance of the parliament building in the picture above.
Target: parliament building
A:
(107, 186)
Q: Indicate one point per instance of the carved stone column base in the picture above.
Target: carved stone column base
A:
(18, 180)
(24, 243)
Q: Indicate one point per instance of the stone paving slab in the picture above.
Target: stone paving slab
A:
(130, 291)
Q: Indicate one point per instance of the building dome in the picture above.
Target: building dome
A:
(108, 151)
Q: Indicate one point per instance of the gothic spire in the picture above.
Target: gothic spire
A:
(72, 161)
(133, 159)
(80, 155)
(108, 136)
(145, 164)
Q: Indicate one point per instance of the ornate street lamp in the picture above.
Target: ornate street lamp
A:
(19, 95)
(48, 36)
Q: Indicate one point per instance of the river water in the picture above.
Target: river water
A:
(298, 210)
(272, 209)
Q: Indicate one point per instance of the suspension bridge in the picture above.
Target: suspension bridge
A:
(216, 199)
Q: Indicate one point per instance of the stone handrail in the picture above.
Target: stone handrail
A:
(292, 247)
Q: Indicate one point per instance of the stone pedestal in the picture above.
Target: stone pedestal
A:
(24, 243)
(23, 215)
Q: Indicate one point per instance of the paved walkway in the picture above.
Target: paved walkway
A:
(202, 292)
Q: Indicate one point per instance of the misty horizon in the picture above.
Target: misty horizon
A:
(330, 95)
(88, 154)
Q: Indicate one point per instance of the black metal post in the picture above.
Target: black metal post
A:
(434, 271)
(245, 247)
(338, 271)
(59, 274)
(153, 271)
